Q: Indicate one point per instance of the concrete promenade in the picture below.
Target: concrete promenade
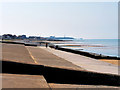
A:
(13, 53)
(16, 53)
(86, 63)
(43, 57)
(23, 65)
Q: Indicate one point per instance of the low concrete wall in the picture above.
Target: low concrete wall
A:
(26, 44)
(30, 44)
(92, 55)
(9, 42)
(59, 75)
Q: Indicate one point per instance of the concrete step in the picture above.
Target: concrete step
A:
(23, 81)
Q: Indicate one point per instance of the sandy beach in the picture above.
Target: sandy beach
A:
(112, 61)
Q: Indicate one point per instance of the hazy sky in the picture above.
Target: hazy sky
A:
(77, 19)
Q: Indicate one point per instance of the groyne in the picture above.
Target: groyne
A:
(88, 54)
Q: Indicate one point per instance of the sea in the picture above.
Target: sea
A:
(108, 47)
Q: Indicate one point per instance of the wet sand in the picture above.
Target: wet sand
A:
(115, 62)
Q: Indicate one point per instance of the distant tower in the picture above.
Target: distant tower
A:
(64, 36)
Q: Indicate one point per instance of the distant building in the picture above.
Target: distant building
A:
(53, 38)
(14, 37)
(32, 37)
(8, 36)
(0, 37)
(36, 38)
(21, 37)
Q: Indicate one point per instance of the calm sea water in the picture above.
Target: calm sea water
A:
(107, 47)
(110, 46)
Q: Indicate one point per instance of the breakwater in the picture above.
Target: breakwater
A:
(88, 54)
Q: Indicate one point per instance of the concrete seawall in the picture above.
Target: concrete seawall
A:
(18, 60)
(59, 75)
(26, 44)
(92, 55)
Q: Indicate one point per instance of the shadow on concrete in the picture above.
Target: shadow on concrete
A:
(21, 68)
(63, 76)
(56, 75)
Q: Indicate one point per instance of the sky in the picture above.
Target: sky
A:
(89, 20)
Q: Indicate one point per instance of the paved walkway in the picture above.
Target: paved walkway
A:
(43, 57)
(39, 56)
(19, 53)
(85, 62)
(16, 53)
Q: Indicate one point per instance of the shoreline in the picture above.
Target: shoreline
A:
(85, 53)
(81, 51)
(87, 63)
(115, 62)
(98, 49)
(48, 68)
